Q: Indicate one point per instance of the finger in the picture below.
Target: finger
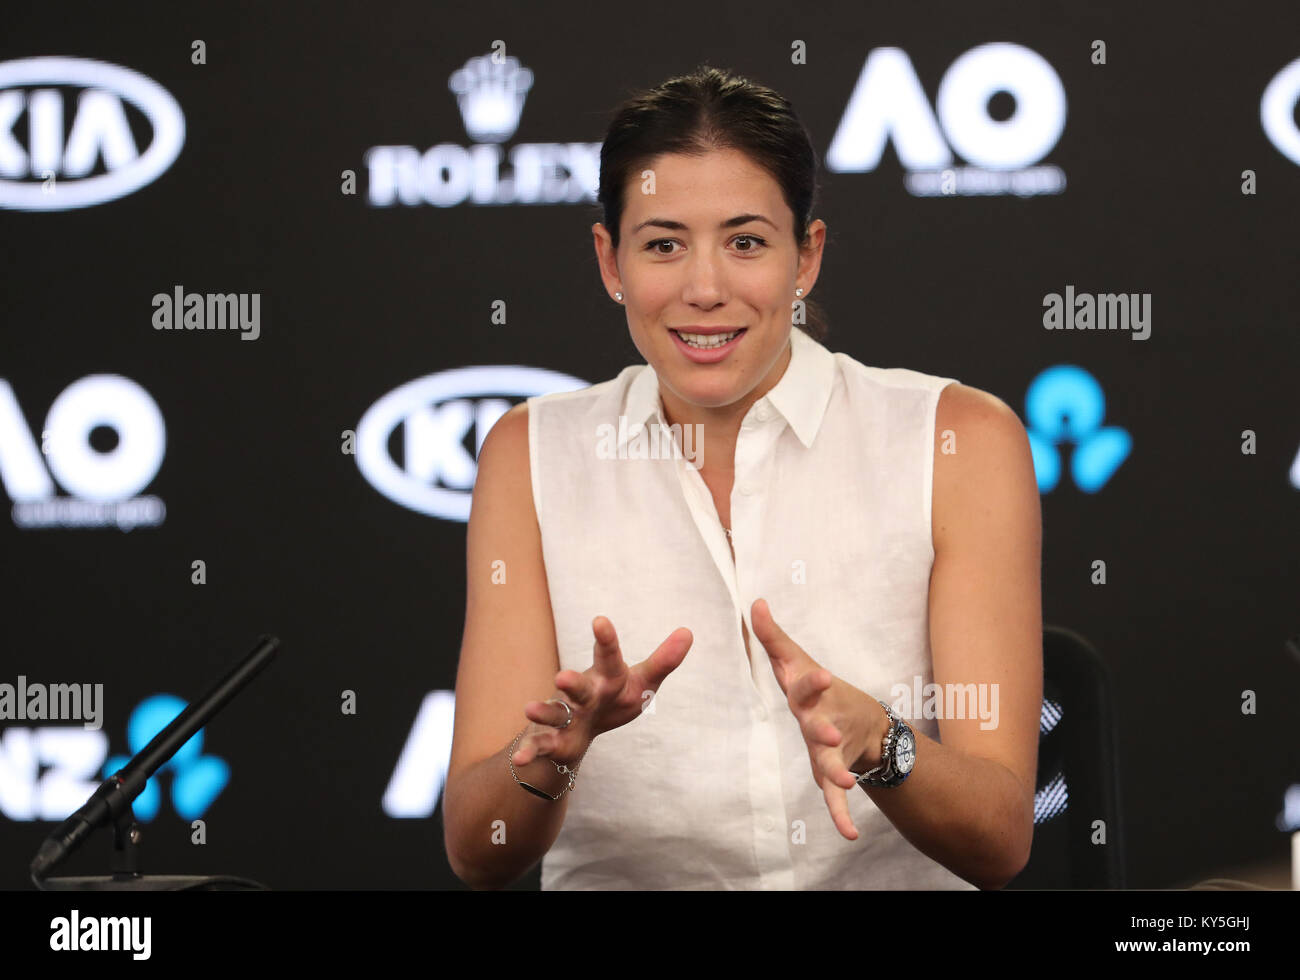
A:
(533, 746)
(808, 687)
(820, 732)
(667, 657)
(577, 688)
(550, 713)
(787, 657)
(838, 804)
(830, 763)
(606, 656)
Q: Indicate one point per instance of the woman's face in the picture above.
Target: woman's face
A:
(713, 246)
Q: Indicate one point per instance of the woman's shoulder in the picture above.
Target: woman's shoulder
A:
(889, 378)
(963, 406)
(983, 463)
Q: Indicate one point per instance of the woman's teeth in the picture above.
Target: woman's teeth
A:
(704, 341)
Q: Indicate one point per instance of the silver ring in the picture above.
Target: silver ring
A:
(568, 720)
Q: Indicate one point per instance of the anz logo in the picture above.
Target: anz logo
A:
(48, 772)
(427, 422)
(1065, 404)
(196, 779)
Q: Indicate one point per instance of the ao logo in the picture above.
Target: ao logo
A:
(1065, 404)
(1277, 111)
(99, 129)
(97, 400)
(436, 413)
(888, 101)
(421, 770)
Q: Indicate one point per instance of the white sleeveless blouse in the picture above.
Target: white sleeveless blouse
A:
(711, 787)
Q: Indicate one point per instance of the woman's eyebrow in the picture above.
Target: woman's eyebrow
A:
(740, 219)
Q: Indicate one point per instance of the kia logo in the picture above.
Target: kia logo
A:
(1277, 111)
(436, 414)
(51, 174)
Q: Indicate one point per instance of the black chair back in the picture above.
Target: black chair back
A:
(1078, 780)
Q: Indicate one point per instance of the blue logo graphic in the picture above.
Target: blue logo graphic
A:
(196, 780)
(1065, 404)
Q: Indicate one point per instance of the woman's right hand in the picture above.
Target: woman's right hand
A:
(607, 695)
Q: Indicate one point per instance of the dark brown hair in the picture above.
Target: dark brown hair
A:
(713, 109)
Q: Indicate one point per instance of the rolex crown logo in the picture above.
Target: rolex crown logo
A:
(490, 94)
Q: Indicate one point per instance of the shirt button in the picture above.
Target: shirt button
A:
(760, 713)
(746, 488)
(762, 414)
(769, 824)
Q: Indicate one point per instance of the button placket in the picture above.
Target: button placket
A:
(741, 543)
(715, 541)
(753, 462)
(753, 456)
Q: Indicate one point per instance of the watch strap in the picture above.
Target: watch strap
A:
(885, 773)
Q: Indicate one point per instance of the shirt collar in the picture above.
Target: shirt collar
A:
(800, 397)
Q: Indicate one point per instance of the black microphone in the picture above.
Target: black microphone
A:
(116, 793)
(69, 835)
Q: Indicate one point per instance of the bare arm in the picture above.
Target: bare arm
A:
(969, 802)
(495, 831)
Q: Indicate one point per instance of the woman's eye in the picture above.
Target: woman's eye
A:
(755, 245)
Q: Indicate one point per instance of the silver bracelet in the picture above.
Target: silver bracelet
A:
(559, 767)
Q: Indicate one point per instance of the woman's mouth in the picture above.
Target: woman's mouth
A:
(707, 341)
(707, 348)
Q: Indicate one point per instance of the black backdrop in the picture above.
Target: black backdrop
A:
(359, 298)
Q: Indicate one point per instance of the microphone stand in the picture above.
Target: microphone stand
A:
(111, 803)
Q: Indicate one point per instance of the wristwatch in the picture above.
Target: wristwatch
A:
(898, 754)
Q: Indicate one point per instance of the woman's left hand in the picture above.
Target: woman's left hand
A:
(841, 725)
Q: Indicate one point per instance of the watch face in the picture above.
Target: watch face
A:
(905, 753)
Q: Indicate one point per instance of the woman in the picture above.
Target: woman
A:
(876, 531)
